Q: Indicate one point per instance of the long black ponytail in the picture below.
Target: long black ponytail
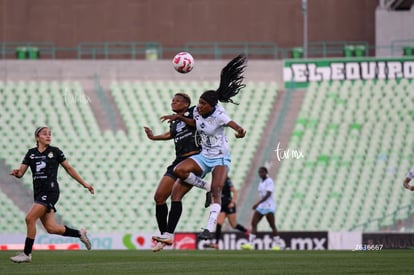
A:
(231, 82)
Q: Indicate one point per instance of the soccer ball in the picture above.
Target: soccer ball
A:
(183, 62)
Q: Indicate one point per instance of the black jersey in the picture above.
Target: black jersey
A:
(184, 135)
(226, 192)
(44, 168)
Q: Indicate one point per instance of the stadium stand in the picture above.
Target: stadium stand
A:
(355, 136)
(123, 166)
(357, 142)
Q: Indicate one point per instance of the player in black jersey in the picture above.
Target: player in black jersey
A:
(44, 161)
(228, 210)
(182, 130)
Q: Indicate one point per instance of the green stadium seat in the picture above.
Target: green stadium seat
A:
(357, 147)
(122, 166)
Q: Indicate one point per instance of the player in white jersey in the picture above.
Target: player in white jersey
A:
(407, 180)
(265, 207)
(211, 120)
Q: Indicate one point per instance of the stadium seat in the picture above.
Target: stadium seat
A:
(358, 147)
(124, 166)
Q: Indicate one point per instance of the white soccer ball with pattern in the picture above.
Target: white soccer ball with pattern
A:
(183, 62)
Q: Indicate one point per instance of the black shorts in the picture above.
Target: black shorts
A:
(48, 199)
(228, 210)
(170, 169)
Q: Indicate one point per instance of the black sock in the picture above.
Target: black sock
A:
(174, 216)
(218, 232)
(161, 213)
(28, 245)
(69, 232)
(241, 228)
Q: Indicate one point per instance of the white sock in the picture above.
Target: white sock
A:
(276, 240)
(212, 219)
(251, 238)
(198, 182)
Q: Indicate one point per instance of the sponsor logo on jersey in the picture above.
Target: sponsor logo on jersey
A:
(180, 126)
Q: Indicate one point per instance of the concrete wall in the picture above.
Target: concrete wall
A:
(392, 26)
(15, 70)
(176, 22)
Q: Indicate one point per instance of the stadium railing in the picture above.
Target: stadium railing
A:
(108, 50)
(152, 50)
(219, 50)
(11, 49)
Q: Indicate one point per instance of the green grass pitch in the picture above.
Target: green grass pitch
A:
(211, 262)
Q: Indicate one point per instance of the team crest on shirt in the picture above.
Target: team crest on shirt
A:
(50, 155)
(187, 113)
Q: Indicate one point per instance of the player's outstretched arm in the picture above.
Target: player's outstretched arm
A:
(151, 136)
(72, 172)
(236, 127)
(407, 185)
(18, 173)
(187, 120)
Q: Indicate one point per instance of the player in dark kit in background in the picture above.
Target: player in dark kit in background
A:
(44, 161)
(182, 130)
(228, 210)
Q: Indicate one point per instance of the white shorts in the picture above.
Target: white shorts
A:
(208, 164)
(265, 211)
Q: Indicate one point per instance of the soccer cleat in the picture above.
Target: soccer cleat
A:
(21, 258)
(158, 247)
(246, 246)
(165, 238)
(205, 235)
(84, 238)
(208, 200)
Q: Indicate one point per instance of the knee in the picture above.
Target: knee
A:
(159, 199)
(30, 220)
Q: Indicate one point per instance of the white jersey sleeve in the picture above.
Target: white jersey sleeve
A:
(410, 174)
